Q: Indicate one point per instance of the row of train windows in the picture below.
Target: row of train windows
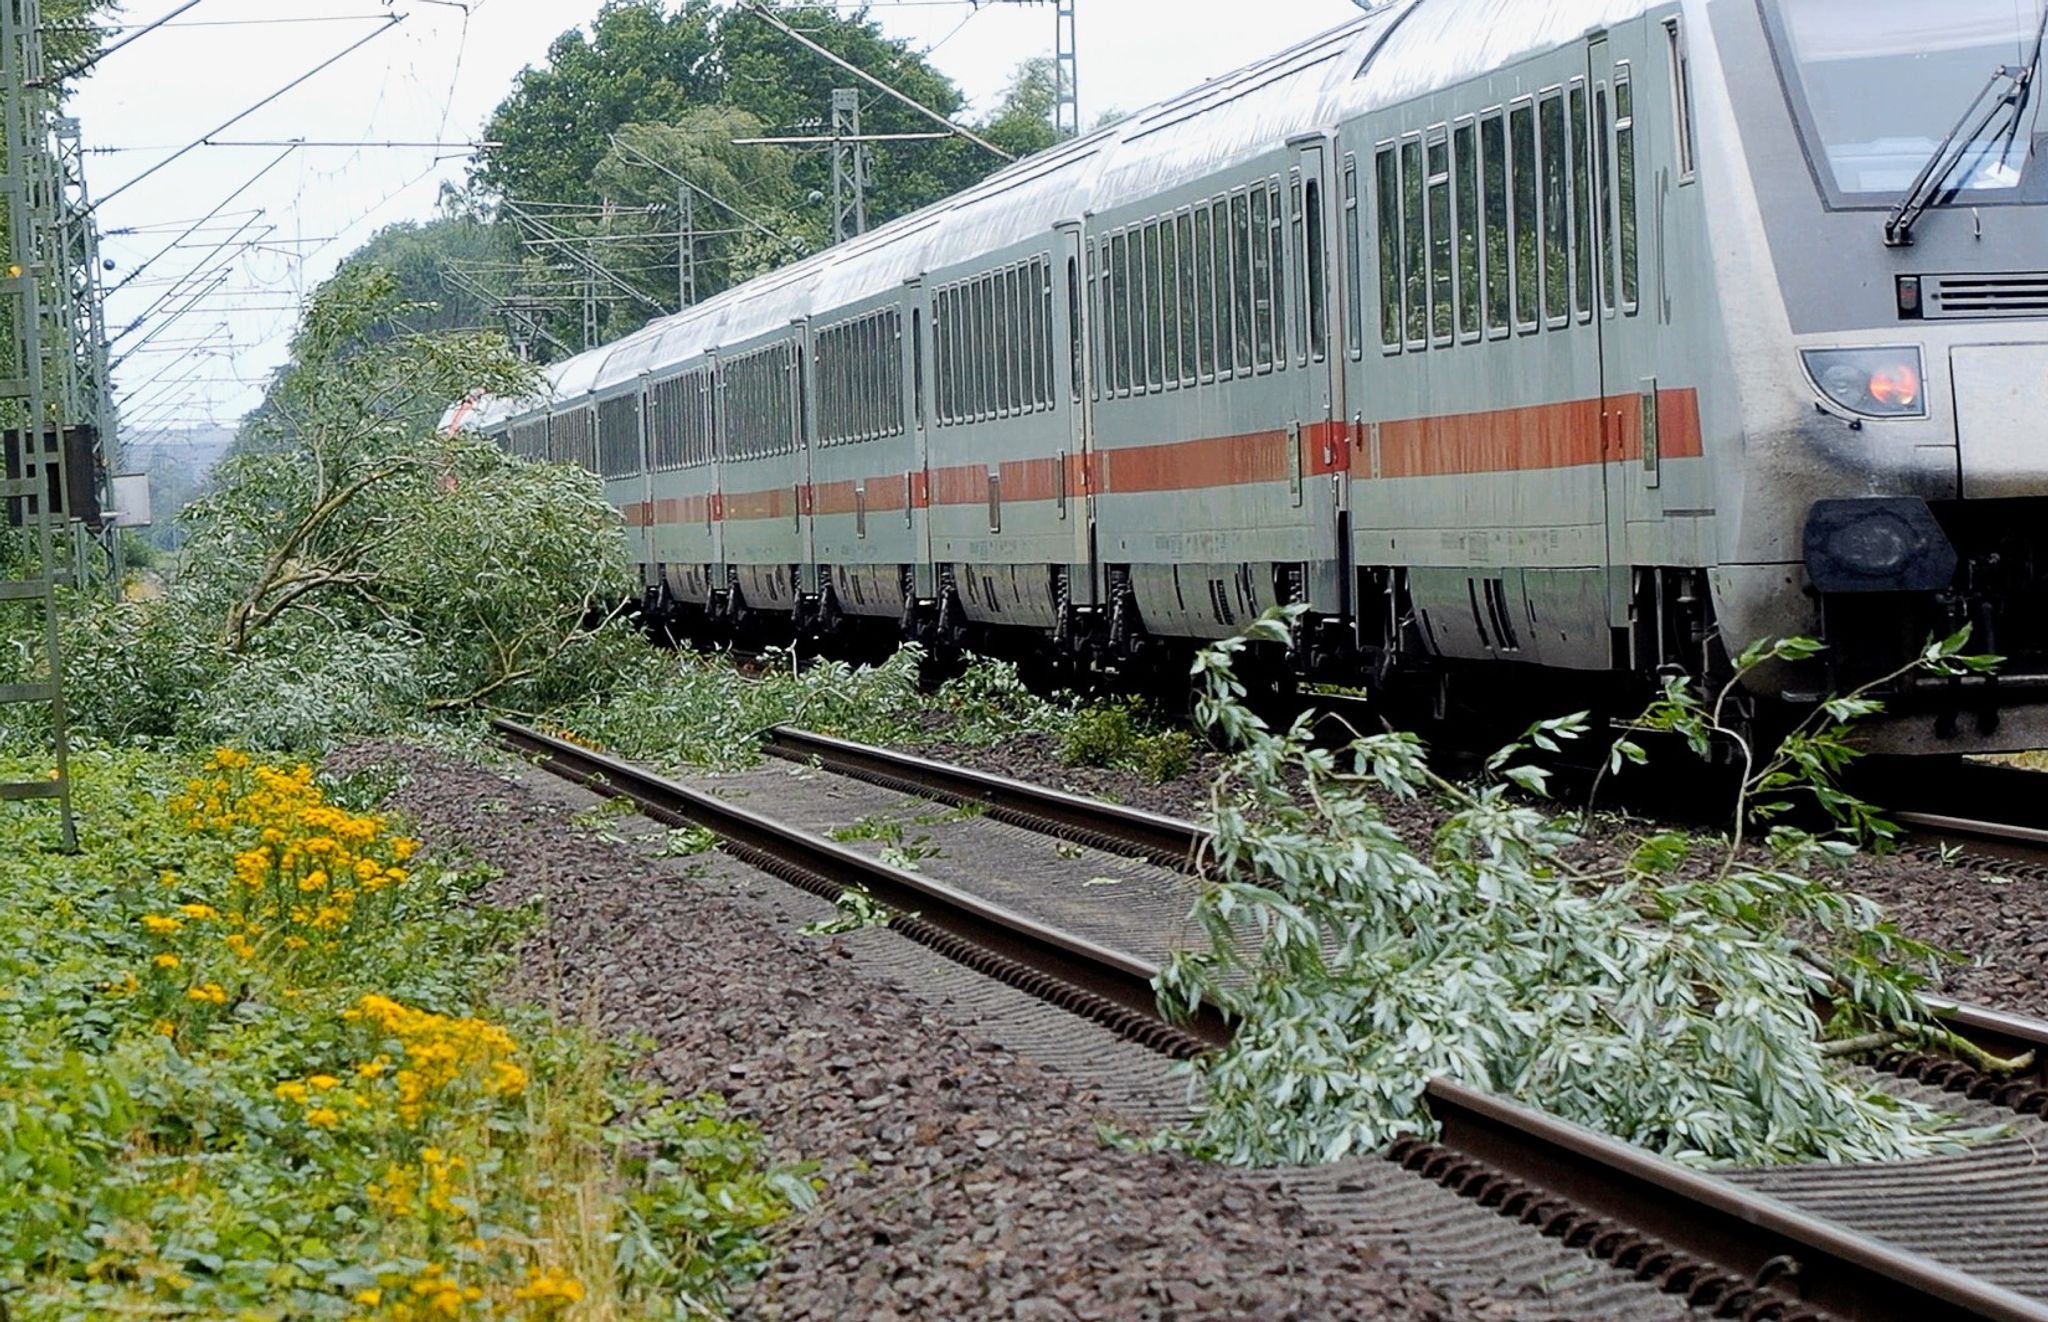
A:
(1201, 295)
(859, 367)
(1493, 222)
(679, 429)
(760, 403)
(993, 337)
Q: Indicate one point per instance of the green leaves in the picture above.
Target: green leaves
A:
(1657, 1000)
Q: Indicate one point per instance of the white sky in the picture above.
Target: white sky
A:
(435, 77)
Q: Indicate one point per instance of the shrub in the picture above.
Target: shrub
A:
(249, 1074)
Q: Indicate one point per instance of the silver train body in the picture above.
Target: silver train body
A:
(1515, 340)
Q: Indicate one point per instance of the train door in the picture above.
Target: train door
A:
(1318, 451)
(1648, 418)
(1074, 476)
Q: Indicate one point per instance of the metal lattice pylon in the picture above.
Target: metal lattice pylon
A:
(34, 478)
(1066, 112)
(849, 167)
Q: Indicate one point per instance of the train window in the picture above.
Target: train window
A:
(1441, 277)
(1276, 235)
(1185, 272)
(1121, 314)
(1141, 309)
(1318, 273)
(1465, 157)
(1681, 98)
(1557, 259)
(1074, 330)
(1241, 281)
(1169, 299)
(1219, 282)
(986, 331)
(1526, 244)
(1001, 345)
(1205, 295)
(1022, 330)
(1604, 179)
(1098, 325)
(942, 343)
(1297, 229)
(1354, 279)
(618, 435)
(1582, 207)
(1414, 244)
(963, 354)
(1262, 279)
(1494, 170)
(1041, 285)
(1159, 347)
(1165, 308)
(1625, 181)
(1387, 177)
(917, 363)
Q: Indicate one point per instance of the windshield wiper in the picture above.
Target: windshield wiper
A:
(1926, 186)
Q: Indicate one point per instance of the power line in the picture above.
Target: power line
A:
(294, 142)
(353, 46)
(192, 229)
(920, 107)
(105, 51)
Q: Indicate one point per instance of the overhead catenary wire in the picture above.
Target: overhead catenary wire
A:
(241, 115)
(104, 51)
(765, 16)
(246, 185)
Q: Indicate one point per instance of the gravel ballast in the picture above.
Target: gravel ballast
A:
(962, 1180)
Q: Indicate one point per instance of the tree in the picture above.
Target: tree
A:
(679, 87)
(636, 65)
(1024, 119)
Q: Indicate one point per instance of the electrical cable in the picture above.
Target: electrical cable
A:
(246, 185)
(395, 20)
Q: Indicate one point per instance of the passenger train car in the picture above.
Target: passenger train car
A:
(1582, 341)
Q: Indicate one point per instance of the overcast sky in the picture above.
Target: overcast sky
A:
(434, 77)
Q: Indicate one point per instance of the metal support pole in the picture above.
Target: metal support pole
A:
(590, 310)
(1067, 72)
(686, 245)
(849, 167)
(28, 192)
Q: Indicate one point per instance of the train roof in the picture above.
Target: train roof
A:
(1393, 53)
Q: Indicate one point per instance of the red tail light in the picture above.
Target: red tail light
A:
(1896, 386)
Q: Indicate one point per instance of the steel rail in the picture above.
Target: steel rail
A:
(1706, 1237)
(1173, 842)
(1168, 841)
(1617, 1195)
(1105, 984)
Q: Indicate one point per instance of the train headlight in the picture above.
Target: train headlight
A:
(1877, 383)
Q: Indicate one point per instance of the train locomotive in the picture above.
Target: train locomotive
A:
(1571, 345)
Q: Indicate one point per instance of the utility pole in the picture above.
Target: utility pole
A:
(589, 310)
(849, 167)
(686, 245)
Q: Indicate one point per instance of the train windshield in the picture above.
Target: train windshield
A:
(1882, 82)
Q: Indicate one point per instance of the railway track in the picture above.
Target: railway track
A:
(1982, 809)
(1726, 1242)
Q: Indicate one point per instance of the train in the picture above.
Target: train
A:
(1527, 348)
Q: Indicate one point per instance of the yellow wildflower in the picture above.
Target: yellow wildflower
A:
(313, 880)
(167, 878)
(369, 1298)
(371, 1069)
(549, 1287)
(164, 1028)
(321, 1117)
(241, 946)
(207, 993)
(166, 961)
(323, 1081)
(296, 943)
(291, 1090)
(160, 924)
(201, 912)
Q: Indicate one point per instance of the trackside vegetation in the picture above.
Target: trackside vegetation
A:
(247, 1072)
(1668, 1000)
